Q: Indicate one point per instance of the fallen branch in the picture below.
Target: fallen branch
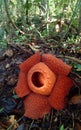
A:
(2, 58)
(70, 58)
(74, 76)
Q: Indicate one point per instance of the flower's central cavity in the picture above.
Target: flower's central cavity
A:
(38, 79)
(41, 79)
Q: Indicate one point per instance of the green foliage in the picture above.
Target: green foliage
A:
(61, 127)
(2, 38)
(38, 19)
(13, 3)
(3, 45)
(1, 2)
(37, 1)
(28, 6)
(73, 40)
(1, 109)
(77, 67)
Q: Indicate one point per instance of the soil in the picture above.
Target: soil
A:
(11, 107)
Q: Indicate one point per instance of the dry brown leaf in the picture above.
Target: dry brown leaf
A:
(12, 81)
(9, 53)
(75, 100)
(13, 122)
(77, 126)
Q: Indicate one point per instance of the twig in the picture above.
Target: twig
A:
(51, 119)
(2, 58)
(70, 58)
(33, 48)
(19, 48)
(31, 125)
(11, 126)
(76, 78)
(39, 33)
(75, 74)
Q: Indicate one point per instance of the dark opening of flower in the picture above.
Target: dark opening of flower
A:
(37, 79)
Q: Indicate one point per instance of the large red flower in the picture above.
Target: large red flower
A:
(44, 82)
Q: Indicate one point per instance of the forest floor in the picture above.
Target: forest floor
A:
(11, 108)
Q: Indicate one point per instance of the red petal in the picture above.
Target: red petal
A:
(22, 88)
(36, 106)
(56, 65)
(57, 99)
(27, 64)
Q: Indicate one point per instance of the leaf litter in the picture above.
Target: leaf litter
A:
(11, 107)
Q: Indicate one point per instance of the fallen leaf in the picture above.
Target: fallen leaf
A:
(75, 100)
(7, 66)
(12, 81)
(78, 126)
(13, 122)
(9, 53)
(62, 127)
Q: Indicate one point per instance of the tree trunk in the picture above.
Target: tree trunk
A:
(47, 15)
(46, 10)
(27, 17)
(79, 23)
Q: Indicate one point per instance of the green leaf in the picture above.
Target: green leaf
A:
(61, 127)
(16, 32)
(12, 3)
(27, 6)
(15, 96)
(37, 1)
(1, 109)
(1, 3)
(77, 67)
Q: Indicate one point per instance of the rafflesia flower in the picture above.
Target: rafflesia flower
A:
(44, 82)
